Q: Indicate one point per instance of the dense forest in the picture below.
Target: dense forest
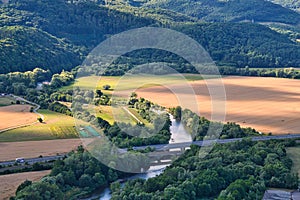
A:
(241, 170)
(77, 175)
(56, 34)
(230, 11)
(238, 45)
(291, 4)
(29, 47)
(231, 171)
(59, 34)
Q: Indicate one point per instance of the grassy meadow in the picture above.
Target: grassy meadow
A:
(6, 101)
(294, 154)
(131, 82)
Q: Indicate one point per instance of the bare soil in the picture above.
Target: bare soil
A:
(16, 115)
(10, 183)
(266, 104)
(32, 149)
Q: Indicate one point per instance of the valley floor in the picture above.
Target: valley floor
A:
(266, 104)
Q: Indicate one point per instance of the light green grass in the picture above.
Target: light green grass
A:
(105, 112)
(132, 82)
(55, 126)
(6, 101)
(294, 154)
(137, 115)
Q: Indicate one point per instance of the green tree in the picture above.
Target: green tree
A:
(106, 87)
(177, 113)
(40, 119)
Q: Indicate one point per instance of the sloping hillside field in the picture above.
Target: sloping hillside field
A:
(16, 115)
(266, 104)
(11, 182)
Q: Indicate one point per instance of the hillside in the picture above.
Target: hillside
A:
(58, 35)
(291, 4)
(27, 46)
(82, 23)
(229, 44)
(55, 34)
(230, 11)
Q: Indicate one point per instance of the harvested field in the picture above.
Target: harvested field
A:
(266, 104)
(16, 115)
(31, 149)
(10, 183)
(55, 126)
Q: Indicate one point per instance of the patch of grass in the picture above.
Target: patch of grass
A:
(132, 82)
(6, 101)
(294, 154)
(105, 112)
(55, 126)
(137, 115)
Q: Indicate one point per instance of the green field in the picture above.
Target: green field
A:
(6, 101)
(132, 82)
(137, 115)
(294, 154)
(105, 112)
(55, 126)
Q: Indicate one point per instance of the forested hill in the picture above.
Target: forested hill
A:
(242, 44)
(58, 34)
(230, 10)
(83, 23)
(22, 48)
(55, 34)
(291, 4)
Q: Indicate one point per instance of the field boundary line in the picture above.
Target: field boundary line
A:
(35, 110)
(132, 115)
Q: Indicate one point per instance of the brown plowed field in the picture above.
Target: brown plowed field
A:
(266, 104)
(10, 183)
(16, 115)
(32, 149)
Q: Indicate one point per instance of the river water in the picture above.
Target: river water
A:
(179, 135)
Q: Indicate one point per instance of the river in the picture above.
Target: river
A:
(179, 135)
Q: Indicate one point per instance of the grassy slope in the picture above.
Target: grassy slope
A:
(131, 82)
(6, 101)
(294, 154)
(56, 126)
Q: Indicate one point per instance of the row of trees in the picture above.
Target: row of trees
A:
(279, 73)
